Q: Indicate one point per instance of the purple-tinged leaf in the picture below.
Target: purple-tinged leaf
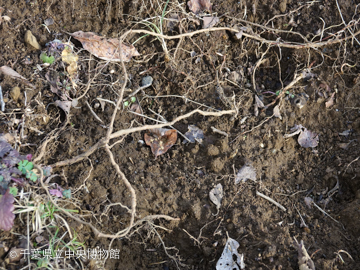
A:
(56, 192)
(29, 157)
(4, 148)
(12, 159)
(6, 211)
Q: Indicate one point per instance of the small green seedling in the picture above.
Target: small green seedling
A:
(127, 103)
(67, 193)
(26, 167)
(47, 59)
(13, 191)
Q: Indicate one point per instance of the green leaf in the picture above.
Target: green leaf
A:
(126, 103)
(31, 175)
(277, 92)
(47, 59)
(1, 178)
(67, 193)
(13, 191)
(133, 99)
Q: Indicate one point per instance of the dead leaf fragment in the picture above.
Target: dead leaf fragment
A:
(105, 48)
(13, 74)
(64, 105)
(245, 173)
(330, 102)
(210, 22)
(276, 112)
(199, 5)
(230, 258)
(304, 260)
(160, 140)
(308, 138)
(259, 103)
(216, 195)
(70, 58)
(194, 134)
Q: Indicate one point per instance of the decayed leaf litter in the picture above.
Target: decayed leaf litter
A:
(230, 258)
(306, 138)
(105, 48)
(160, 140)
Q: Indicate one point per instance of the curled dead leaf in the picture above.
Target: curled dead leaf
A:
(13, 74)
(276, 112)
(160, 140)
(210, 22)
(216, 195)
(105, 48)
(199, 5)
(308, 138)
(64, 105)
(304, 260)
(330, 102)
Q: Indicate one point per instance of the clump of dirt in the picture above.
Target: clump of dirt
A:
(216, 72)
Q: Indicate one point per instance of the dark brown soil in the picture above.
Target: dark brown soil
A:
(178, 183)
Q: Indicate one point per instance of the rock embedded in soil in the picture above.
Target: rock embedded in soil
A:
(213, 150)
(217, 165)
(15, 93)
(31, 40)
(282, 6)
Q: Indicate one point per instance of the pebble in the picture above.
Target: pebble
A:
(147, 81)
(15, 93)
(31, 40)
(282, 6)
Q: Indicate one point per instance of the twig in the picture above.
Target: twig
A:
(215, 130)
(338, 7)
(263, 40)
(93, 113)
(102, 142)
(2, 103)
(356, 159)
(271, 200)
(318, 207)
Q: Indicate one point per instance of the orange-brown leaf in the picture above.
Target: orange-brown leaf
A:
(160, 140)
(105, 48)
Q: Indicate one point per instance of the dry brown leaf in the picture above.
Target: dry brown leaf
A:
(216, 195)
(330, 102)
(64, 105)
(308, 138)
(246, 172)
(199, 5)
(105, 48)
(304, 260)
(13, 74)
(160, 140)
(70, 58)
(259, 103)
(210, 22)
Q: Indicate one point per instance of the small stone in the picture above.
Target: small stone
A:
(31, 40)
(146, 81)
(15, 93)
(213, 150)
(282, 6)
(217, 165)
